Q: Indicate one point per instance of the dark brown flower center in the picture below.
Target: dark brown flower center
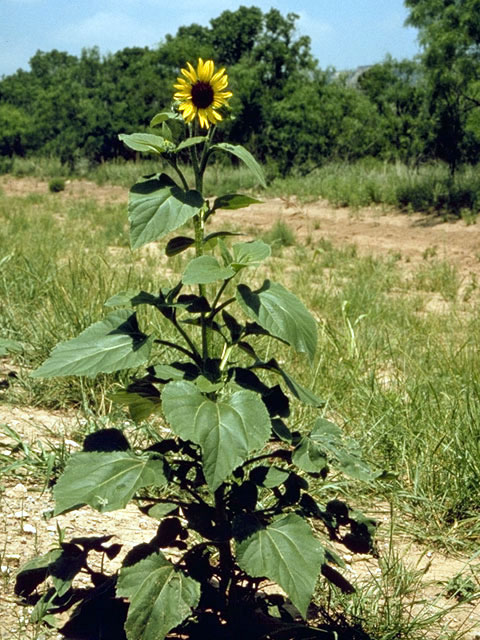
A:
(202, 95)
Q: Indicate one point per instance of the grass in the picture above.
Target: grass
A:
(399, 375)
(428, 188)
(397, 360)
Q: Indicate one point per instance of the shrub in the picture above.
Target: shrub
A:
(56, 185)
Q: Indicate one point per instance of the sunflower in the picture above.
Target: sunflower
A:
(201, 92)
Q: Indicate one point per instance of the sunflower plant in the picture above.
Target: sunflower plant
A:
(235, 489)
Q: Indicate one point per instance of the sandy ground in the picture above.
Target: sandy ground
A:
(24, 528)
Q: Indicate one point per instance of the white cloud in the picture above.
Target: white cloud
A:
(110, 30)
(314, 27)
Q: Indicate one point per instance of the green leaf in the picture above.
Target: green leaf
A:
(106, 480)
(249, 254)
(140, 406)
(269, 477)
(299, 391)
(221, 234)
(163, 116)
(131, 298)
(281, 430)
(286, 552)
(166, 372)
(227, 429)
(34, 572)
(177, 245)
(110, 345)
(63, 569)
(205, 269)
(158, 206)
(245, 156)
(347, 453)
(146, 142)
(159, 511)
(10, 346)
(281, 314)
(234, 201)
(189, 142)
(309, 456)
(161, 597)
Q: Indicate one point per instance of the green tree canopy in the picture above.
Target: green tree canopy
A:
(450, 36)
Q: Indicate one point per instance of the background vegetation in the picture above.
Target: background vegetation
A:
(291, 113)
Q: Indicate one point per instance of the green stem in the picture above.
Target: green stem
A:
(166, 343)
(206, 149)
(199, 225)
(213, 312)
(184, 182)
(224, 548)
(187, 339)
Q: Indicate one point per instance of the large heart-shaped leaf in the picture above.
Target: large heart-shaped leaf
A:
(158, 206)
(110, 345)
(227, 429)
(161, 597)
(286, 552)
(205, 269)
(106, 480)
(280, 313)
(245, 156)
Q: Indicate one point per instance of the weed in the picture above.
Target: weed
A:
(279, 236)
(56, 185)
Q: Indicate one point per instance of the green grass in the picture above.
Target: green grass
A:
(397, 360)
(60, 263)
(398, 364)
(369, 182)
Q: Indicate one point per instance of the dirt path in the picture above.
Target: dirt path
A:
(373, 230)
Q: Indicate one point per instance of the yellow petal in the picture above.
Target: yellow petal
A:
(189, 111)
(190, 74)
(182, 95)
(214, 116)
(220, 84)
(202, 118)
(205, 70)
(218, 75)
(199, 71)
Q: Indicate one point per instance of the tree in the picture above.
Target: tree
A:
(15, 125)
(235, 33)
(397, 89)
(450, 36)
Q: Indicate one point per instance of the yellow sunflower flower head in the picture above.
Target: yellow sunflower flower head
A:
(201, 92)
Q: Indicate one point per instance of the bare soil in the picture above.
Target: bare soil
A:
(26, 531)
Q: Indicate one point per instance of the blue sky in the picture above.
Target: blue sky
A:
(344, 33)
